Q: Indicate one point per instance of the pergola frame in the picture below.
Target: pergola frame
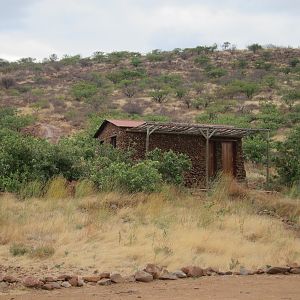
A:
(207, 131)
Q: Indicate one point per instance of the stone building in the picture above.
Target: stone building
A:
(211, 148)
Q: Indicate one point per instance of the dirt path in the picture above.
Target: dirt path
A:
(228, 287)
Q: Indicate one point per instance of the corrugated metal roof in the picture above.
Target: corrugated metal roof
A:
(119, 123)
(126, 123)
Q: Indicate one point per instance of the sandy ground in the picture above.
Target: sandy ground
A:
(227, 287)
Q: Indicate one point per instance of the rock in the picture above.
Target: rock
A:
(244, 271)
(292, 265)
(167, 276)
(130, 278)
(278, 270)
(32, 282)
(154, 270)
(179, 274)
(116, 278)
(80, 282)
(143, 276)
(91, 278)
(66, 284)
(48, 287)
(295, 270)
(64, 277)
(73, 281)
(259, 271)
(10, 279)
(209, 272)
(104, 275)
(55, 285)
(3, 285)
(193, 271)
(228, 273)
(104, 281)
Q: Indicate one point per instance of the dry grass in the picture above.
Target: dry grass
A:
(122, 232)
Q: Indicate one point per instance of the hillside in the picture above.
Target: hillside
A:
(239, 87)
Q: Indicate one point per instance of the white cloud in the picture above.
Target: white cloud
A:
(84, 26)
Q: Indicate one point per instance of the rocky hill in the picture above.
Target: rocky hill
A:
(240, 87)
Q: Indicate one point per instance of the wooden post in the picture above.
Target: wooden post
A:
(207, 159)
(147, 139)
(268, 159)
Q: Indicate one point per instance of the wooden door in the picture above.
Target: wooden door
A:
(227, 158)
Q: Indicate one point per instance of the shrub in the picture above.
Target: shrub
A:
(171, 166)
(33, 189)
(269, 116)
(42, 252)
(294, 62)
(7, 82)
(136, 61)
(83, 90)
(255, 148)
(142, 177)
(287, 160)
(214, 72)
(254, 47)
(18, 249)
(84, 188)
(202, 60)
(57, 188)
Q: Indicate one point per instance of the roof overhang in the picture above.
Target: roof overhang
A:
(195, 129)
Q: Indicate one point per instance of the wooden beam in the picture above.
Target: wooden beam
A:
(207, 159)
(268, 159)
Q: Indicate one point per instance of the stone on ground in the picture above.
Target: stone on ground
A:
(143, 276)
(66, 284)
(116, 278)
(278, 270)
(154, 270)
(179, 274)
(193, 271)
(32, 282)
(104, 281)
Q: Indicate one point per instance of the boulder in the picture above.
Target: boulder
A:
(66, 284)
(143, 276)
(154, 270)
(167, 276)
(91, 278)
(64, 277)
(295, 270)
(73, 281)
(193, 271)
(10, 279)
(116, 278)
(48, 287)
(32, 282)
(278, 270)
(179, 274)
(130, 278)
(104, 275)
(80, 282)
(55, 285)
(104, 281)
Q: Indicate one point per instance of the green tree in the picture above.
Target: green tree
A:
(288, 158)
(254, 47)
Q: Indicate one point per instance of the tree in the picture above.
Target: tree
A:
(226, 46)
(290, 98)
(254, 47)
(53, 57)
(7, 82)
(129, 87)
(159, 95)
(287, 160)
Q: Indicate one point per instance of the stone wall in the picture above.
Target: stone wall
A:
(193, 146)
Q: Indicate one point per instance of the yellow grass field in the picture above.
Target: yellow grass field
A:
(173, 228)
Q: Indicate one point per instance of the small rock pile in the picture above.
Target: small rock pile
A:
(149, 273)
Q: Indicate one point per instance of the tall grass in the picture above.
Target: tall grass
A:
(113, 231)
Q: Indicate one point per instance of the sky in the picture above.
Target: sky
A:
(38, 28)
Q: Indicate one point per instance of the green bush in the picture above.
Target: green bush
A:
(83, 90)
(287, 160)
(214, 72)
(171, 166)
(269, 116)
(141, 177)
(255, 148)
(18, 249)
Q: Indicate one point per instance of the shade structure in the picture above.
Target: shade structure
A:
(207, 131)
(195, 129)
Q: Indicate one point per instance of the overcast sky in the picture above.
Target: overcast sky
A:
(37, 28)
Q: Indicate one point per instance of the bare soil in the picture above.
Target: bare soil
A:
(227, 287)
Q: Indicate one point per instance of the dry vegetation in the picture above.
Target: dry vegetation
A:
(112, 231)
